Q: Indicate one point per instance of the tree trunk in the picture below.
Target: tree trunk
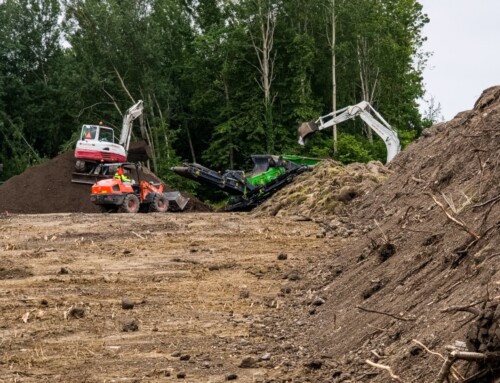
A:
(334, 75)
(368, 77)
(231, 149)
(263, 49)
(191, 147)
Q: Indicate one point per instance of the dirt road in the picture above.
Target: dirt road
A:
(392, 267)
(202, 288)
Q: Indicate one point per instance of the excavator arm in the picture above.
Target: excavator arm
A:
(374, 121)
(130, 115)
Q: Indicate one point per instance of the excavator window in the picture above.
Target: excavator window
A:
(90, 133)
(106, 134)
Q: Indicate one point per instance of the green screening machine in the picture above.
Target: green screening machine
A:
(247, 190)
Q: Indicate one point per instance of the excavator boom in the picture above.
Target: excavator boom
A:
(367, 113)
(128, 118)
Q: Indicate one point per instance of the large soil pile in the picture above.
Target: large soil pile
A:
(47, 188)
(420, 269)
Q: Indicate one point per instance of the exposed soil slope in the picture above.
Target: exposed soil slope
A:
(409, 262)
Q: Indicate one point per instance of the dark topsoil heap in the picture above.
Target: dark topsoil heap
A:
(408, 270)
(47, 188)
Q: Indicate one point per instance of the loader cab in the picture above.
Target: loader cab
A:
(131, 171)
(97, 133)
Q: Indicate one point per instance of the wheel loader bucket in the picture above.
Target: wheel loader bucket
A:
(306, 129)
(176, 200)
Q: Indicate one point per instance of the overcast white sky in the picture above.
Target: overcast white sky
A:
(464, 36)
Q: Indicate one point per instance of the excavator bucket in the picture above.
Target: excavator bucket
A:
(176, 200)
(139, 151)
(306, 129)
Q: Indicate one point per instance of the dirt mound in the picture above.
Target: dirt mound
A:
(421, 270)
(46, 188)
(328, 189)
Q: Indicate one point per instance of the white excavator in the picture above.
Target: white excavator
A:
(97, 146)
(364, 110)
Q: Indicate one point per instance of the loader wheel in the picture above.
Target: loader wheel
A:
(130, 204)
(159, 204)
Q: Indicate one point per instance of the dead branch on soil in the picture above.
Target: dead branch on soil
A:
(494, 199)
(454, 371)
(468, 308)
(468, 201)
(384, 313)
(463, 355)
(386, 368)
(417, 180)
(138, 235)
(455, 220)
(386, 238)
(492, 256)
(427, 349)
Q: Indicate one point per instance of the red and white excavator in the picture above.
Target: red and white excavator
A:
(367, 113)
(97, 146)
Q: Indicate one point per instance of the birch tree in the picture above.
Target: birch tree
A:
(262, 37)
(333, 42)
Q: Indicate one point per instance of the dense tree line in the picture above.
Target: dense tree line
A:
(221, 79)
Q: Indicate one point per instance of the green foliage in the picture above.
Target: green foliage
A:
(30, 54)
(198, 67)
(407, 136)
(15, 153)
(351, 149)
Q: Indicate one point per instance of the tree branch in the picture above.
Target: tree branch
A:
(494, 199)
(455, 220)
(123, 84)
(386, 368)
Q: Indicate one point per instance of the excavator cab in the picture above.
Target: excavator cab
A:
(94, 148)
(97, 147)
(97, 133)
